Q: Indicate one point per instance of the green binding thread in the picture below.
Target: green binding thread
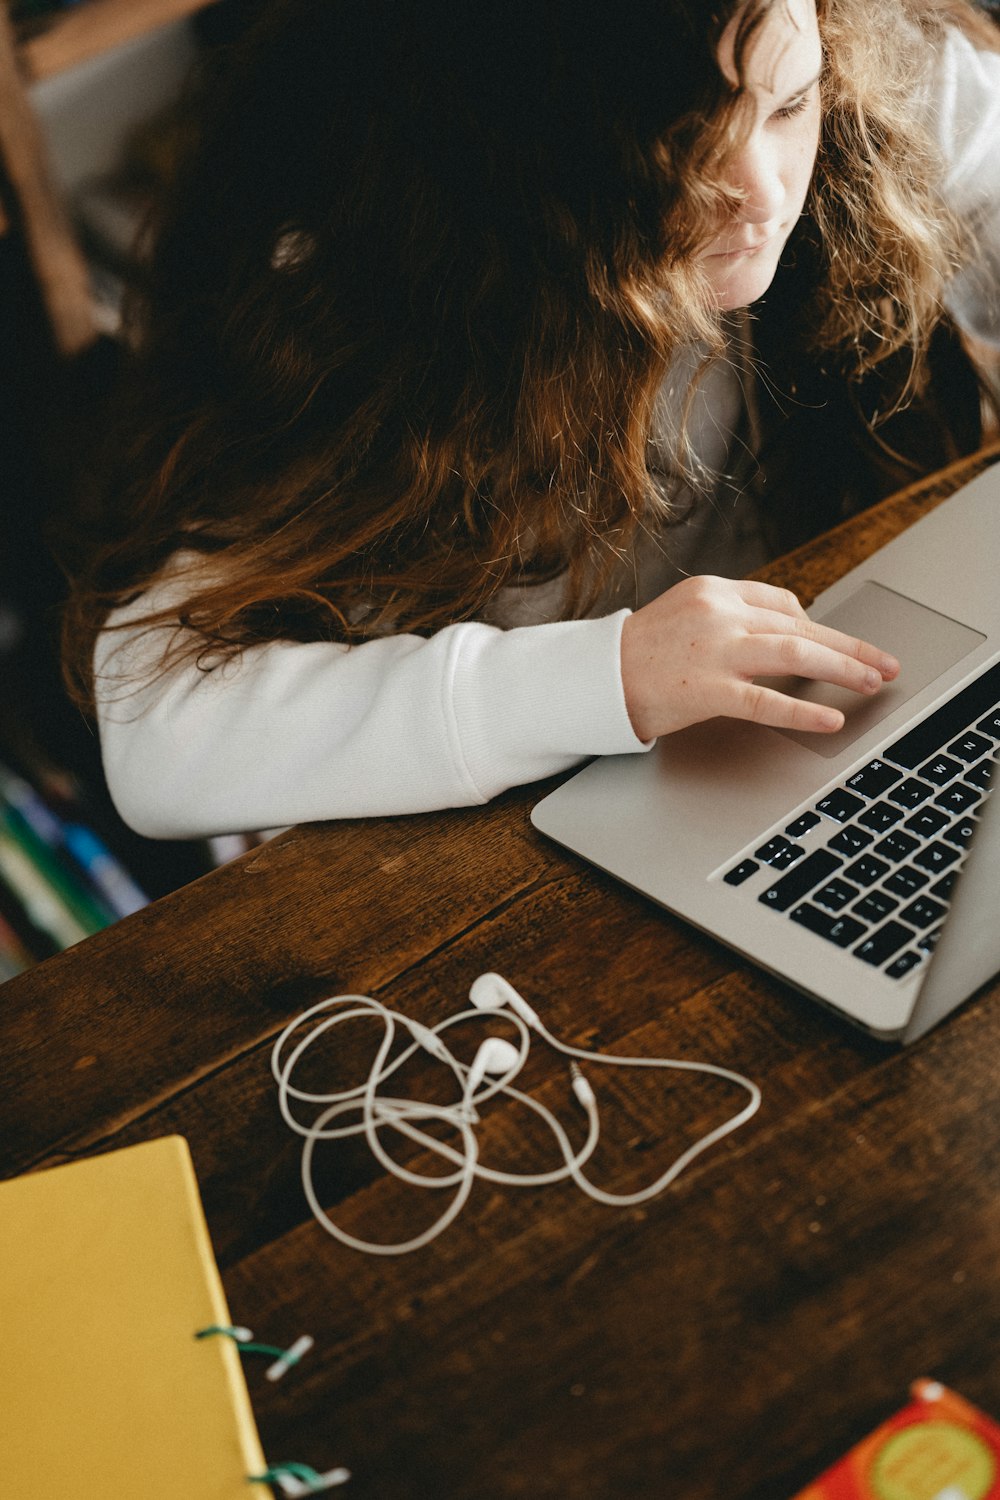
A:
(244, 1347)
(275, 1472)
(297, 1471)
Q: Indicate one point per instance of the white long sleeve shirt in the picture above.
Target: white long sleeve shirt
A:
(291, 732)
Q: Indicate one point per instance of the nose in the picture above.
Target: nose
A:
(754, 172)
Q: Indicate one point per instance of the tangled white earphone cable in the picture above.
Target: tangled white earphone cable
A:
(493, 1070)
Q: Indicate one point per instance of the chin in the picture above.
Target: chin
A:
(740, 282)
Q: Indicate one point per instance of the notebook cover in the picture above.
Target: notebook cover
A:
(939, 1447)
(106, 1274)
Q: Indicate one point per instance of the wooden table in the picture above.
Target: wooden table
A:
(725, 1342)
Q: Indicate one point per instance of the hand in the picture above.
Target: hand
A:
(693, 653)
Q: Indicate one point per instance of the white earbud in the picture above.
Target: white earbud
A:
(496, 1056)
(493, 992)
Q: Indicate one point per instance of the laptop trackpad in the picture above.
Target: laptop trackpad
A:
(925, 642)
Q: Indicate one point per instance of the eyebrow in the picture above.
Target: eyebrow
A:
(797, 93)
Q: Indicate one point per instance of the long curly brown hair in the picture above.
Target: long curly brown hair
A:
(406, 317)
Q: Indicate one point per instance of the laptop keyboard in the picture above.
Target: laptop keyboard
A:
(870, 866)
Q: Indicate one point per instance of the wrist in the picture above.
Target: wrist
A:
(634, 662)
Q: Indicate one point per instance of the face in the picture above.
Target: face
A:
(774, 165)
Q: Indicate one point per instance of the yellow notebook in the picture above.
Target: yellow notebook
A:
(106, 1274)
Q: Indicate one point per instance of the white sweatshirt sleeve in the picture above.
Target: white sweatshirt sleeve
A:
(965, 117)
(289, 733)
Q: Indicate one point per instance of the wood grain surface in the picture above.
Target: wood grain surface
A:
(726, 1341)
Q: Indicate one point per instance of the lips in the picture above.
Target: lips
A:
(739, 250)
(730, 249)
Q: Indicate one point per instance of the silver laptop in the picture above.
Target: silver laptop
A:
(833, 861)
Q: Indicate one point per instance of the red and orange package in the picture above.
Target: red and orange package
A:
(939, 1447)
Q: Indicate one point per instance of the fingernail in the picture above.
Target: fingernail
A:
(873, 679)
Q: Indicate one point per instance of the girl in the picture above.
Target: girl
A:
(452, 435)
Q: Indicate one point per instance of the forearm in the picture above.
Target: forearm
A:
(290, 733)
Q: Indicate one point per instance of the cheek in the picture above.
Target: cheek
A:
(806, 146)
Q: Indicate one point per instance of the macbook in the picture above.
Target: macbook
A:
(861, 867)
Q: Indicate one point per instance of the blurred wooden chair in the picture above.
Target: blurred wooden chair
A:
(31, 206)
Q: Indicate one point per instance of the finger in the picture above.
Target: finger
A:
(764, 705)
(767, 596)
(798, 656)
(853, 646)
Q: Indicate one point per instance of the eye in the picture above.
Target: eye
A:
(796, 107)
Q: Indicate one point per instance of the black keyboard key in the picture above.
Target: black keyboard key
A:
(928, 942)
(906, 880)
(800, 880)
(941, 769)
(927, 822)
(991, 724)
(936, 857)
(948, 721)
(802, 824)
(874, 779)
(944, 887)
(960, 833)
(979, 776)
(875, 906)
(836, 894)
(911, 792)
(896, 846)
(741, 872)
(880, 816)
(779, 852)
(903, 964)
(883, 943)
(840, 930)
(970, 746)
(923, 912)
(839, 805)
(957, 797)
(866, 870)
(851, 840)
